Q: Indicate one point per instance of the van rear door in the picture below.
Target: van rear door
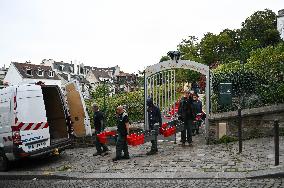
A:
(31, 118)
(77, 109)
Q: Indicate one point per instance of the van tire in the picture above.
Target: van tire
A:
(4, 163)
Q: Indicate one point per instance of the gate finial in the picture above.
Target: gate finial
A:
(174, 55)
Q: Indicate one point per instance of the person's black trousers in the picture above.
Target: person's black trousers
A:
(186, 134)
(99, 146)
(121, 145)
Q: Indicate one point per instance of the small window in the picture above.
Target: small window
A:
(40, 72)
(61, 67)
(51, 74)
(29, 72)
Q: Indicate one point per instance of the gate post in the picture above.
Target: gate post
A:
(207, 93)
(276, 141)
(145, 102)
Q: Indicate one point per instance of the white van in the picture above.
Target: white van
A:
(34, 120)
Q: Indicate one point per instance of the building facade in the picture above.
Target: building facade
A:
(3, 72)
(280, 23)
(125, 82)
(27, 73)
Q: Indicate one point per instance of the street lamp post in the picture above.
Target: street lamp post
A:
(240, 110)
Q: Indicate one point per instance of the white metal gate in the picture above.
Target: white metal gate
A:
(159, 84)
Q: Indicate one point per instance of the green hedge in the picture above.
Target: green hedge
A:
(259, 82)
(134, 102)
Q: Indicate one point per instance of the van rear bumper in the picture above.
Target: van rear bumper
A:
(20, 153)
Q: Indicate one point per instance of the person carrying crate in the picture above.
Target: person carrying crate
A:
(102, 149)
(154, 117)
(122, 132)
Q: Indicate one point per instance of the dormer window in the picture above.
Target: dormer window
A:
(51, 74)
(61, 67)
(29, 72)
(40, 72)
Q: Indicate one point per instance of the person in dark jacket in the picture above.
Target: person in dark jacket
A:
(154, 117)
(99, 127)
(186, 115)
(122, 132)
(197, 109)
(197, 104)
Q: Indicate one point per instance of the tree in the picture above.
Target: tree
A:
(209, 48)
(268, 62)
(101, 90)
(164, 58)
(258, 31)
(189, 49)
(228, 46)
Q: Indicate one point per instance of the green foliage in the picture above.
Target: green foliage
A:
(261, 26)
(257, 31)
(189, 49)
(259, 82)
(101, 90)
(164, 58)
(134, 102)
(267, 62)
(185, 75)
(140, 81)
(226, 139)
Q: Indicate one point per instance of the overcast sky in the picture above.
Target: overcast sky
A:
(128, 33)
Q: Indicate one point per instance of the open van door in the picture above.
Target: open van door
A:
(78, 111)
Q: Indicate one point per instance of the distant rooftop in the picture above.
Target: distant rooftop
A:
(281, 13)
(23, 67)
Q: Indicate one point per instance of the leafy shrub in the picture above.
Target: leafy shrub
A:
(134, 102)
(259, 82)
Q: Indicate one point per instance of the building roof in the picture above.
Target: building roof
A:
(281, 13)
(67, 67)
(100, 74)
(64, 76)
(80, 79)
(22, 68)
(112, 69)
(121, 73)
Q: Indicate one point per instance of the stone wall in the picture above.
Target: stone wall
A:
(256, 122)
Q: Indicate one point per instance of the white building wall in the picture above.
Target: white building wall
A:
(117, 70)
(13, 77)
(280, 23)
(48, 62)
(45, 81)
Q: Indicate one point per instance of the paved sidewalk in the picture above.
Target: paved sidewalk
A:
(228, 183)
(173, 160)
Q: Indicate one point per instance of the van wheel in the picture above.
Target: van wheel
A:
(4, 163)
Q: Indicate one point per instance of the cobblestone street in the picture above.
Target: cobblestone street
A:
(250, 183)
(258, 154)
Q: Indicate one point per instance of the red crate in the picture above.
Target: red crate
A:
(135, 139)
(102, 138)
(169, 131)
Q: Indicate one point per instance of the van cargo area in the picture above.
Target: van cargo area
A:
(55, 113)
